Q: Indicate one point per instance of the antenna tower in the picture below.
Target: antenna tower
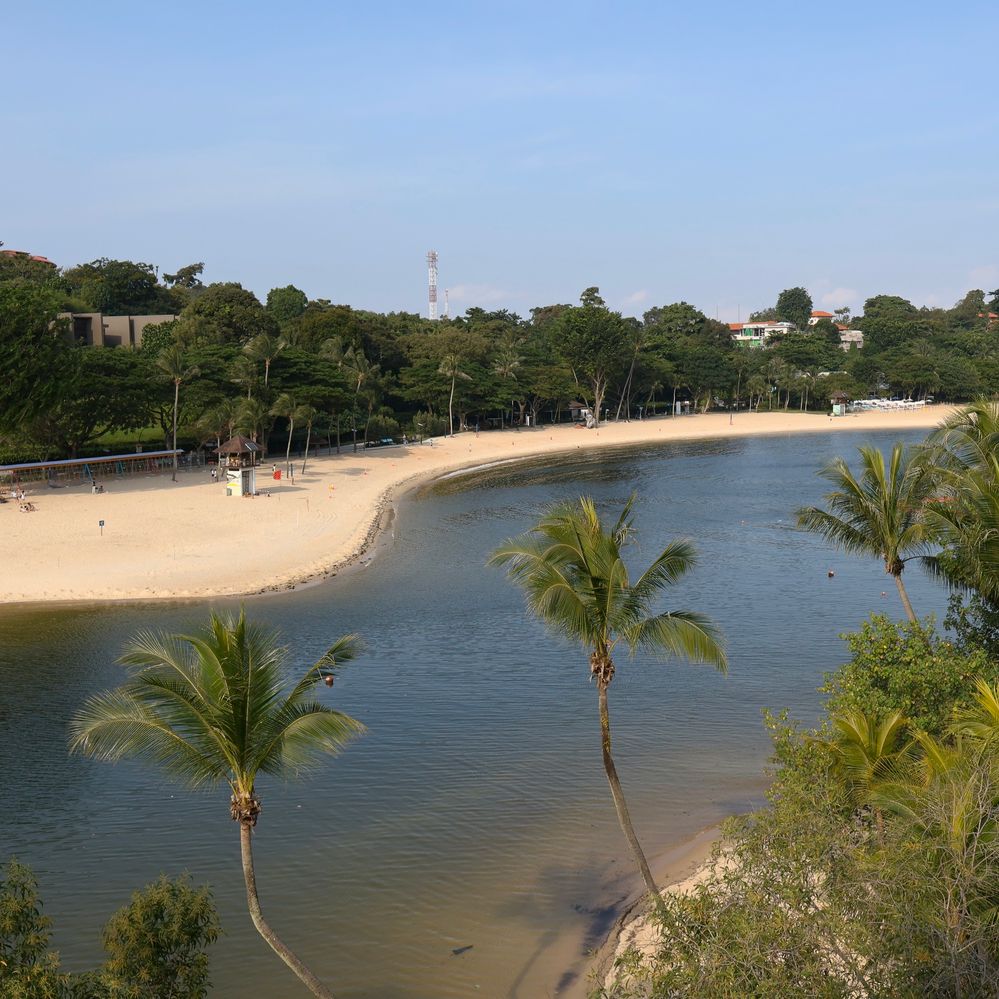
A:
(432, 272)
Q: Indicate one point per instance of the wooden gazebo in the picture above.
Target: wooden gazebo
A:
(240, 456)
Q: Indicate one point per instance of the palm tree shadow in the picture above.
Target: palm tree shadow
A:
(578, 938)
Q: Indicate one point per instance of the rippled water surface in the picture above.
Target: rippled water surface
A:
(475, 811)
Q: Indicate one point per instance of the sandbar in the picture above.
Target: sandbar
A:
(165, 540)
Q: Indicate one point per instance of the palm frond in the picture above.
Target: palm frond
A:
(570, 569)
(304, 733)
(113, 726)
(680, 633)
(215, 706)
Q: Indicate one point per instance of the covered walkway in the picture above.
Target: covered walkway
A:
(70, 471)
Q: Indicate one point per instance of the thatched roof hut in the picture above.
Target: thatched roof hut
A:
(240, 451)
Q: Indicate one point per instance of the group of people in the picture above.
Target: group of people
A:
(26, 506)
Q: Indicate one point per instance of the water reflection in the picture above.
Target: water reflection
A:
(475, 811)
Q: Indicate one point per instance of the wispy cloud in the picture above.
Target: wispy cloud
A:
(636, 297)
(839, 297)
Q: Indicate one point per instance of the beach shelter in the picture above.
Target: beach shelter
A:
(239, 457)
(839, 402)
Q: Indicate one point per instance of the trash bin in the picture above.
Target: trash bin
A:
(277, 474)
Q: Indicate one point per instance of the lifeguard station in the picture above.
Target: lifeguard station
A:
(239, 458)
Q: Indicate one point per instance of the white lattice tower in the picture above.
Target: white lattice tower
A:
(432, 272)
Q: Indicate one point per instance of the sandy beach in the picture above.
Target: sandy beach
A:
(183, 540)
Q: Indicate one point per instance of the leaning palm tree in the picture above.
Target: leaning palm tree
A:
(308, 414)
(882, 513)
(213, 708)
(575, 579)
(173, 364)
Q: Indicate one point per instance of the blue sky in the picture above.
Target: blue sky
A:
(715, 152)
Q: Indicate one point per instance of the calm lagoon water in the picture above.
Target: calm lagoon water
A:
(475, 811)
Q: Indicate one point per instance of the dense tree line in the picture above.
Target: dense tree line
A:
(344, 371)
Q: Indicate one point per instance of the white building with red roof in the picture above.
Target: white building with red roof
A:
(819, 315)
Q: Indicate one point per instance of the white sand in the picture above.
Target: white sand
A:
(188, 539)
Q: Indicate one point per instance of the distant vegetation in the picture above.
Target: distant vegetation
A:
(343, 373)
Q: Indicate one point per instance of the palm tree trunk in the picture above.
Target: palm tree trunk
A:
(621, 806)
(176, 399)
(287, 454)
(450, 408)
(308, 440)
(626, 391)
(909, 612)
(316, 987)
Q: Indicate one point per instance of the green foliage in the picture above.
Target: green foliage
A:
(880, 513)
(908, 668)
(593, 343)
(287, 303)
(120, 288)
(794, 305)
(571, 568)
(186, 706)
(224, 313)
(974, 620)
(28, 969)
(188, 278)
(156, 337)
(562, 352)
(808, 897)
(156, 945)
(102, 391)
(33, 351)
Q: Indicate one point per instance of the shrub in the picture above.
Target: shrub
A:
(156, 944)
(908, 667)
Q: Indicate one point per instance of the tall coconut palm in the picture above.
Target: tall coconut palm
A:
(505, 366)
(173, 364)
(264, 347)
(245, 374)
(252, 417)
(572, 572)
(881, 513)
(308, 415)
(363, 375)
(213, 708)
(450, 366)
(285, 405)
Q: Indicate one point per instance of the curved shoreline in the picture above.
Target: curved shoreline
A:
(188, 541)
